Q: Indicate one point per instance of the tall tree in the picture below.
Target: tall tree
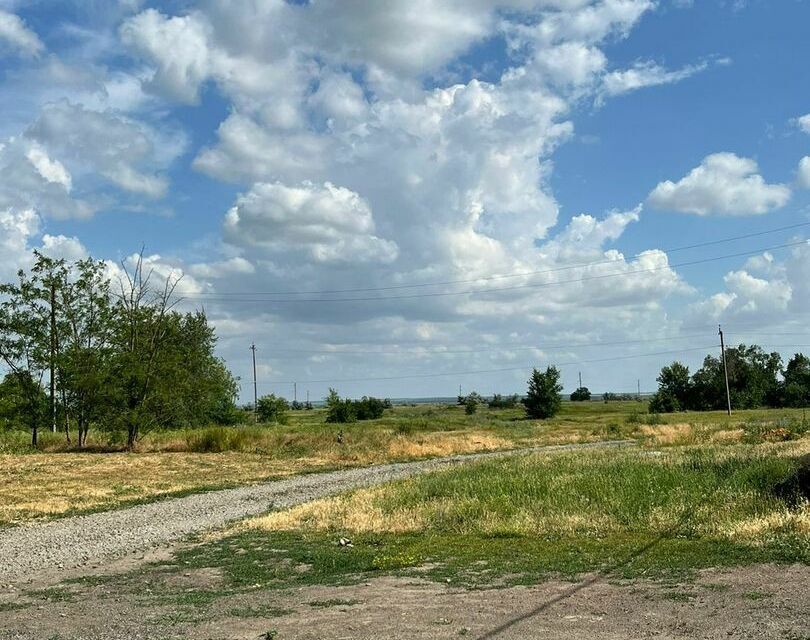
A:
(543, 399)
(24, 345)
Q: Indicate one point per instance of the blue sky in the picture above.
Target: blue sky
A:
(261, 147)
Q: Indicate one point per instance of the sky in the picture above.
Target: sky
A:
(400, 198)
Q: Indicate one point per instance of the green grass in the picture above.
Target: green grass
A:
(621, 513)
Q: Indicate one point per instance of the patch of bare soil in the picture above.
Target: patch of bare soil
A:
(755, 602)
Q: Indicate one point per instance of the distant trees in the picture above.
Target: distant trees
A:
(753, 377)
(343, 410)
(122, 357)
(582, 394)
(543, 399)
(498, 401)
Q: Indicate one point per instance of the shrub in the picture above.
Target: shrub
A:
(581, 395)
(470, 405)
(369, 408)
(272, 409)
(543, 398)
(503, 402)
(339, 410)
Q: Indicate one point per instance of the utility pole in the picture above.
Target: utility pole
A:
(307, 397)
(725, 369)
(295, 392)
(580, 379)
(639, 387)
(53, 356)
(255, 391)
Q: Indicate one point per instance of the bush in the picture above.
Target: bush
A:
(272, 409)
(503, 402)
(543, 399)
(339, 410)
(470, 405)
(582, 394)
(369, 408)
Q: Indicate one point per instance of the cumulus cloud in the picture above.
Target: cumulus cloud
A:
(328, 223)
(803, 122)
(17, 37)
(723, 184)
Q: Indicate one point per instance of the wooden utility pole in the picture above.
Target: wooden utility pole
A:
(295, 392)
(52, 362)
(725, 369)
(638, 386)
(255, 388)
(580, 379)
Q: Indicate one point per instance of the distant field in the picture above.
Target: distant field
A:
(56, 480)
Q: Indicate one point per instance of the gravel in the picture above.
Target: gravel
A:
(75, 542)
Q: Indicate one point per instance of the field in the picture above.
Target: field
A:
(56, 480)
(698, 526)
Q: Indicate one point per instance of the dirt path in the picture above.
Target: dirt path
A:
(56, 548)
(760, 602)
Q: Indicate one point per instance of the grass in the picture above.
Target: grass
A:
(624, 512)
(56, 480)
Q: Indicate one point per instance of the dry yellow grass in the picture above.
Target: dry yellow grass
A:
(41, 485)
(36, 486)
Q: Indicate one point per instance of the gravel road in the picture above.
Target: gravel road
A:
(74, 542)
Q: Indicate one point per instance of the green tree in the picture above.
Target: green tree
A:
(796, 385)
(24, 345)
(543, 399)
(270, 408)
(675, 391)
(339, 410)
(582, 394)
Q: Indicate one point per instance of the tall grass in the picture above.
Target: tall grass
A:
(715, 493)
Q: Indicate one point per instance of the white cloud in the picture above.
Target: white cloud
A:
(17, 227)
(645, 74)
(68, 248)
(723, 184)
(15, 35)
(179, 44)
(328, 223)
(122, 150)
(803, 173)
(803, 122)
(50, 170)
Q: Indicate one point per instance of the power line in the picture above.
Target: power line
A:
(526, 367)
(503, 347)
(510, 288)
(507, 275)
(499, 370)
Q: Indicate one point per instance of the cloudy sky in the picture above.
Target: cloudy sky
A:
(396, 198)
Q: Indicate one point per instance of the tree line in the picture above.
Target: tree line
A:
(755, 379)
(82, 350)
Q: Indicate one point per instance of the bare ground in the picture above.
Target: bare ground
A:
(755, 602)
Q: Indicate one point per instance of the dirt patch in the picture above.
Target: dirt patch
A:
(756, 602)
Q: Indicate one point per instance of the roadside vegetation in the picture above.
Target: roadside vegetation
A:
(621, 514)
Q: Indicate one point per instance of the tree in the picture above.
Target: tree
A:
(270, 408)
(752, 378)
(543, 399)
(339, 410)
(24, 345)
(582, 394)
(796, 385)
(674, 390)
(84, 313)
(470, 405)
(140, 336)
